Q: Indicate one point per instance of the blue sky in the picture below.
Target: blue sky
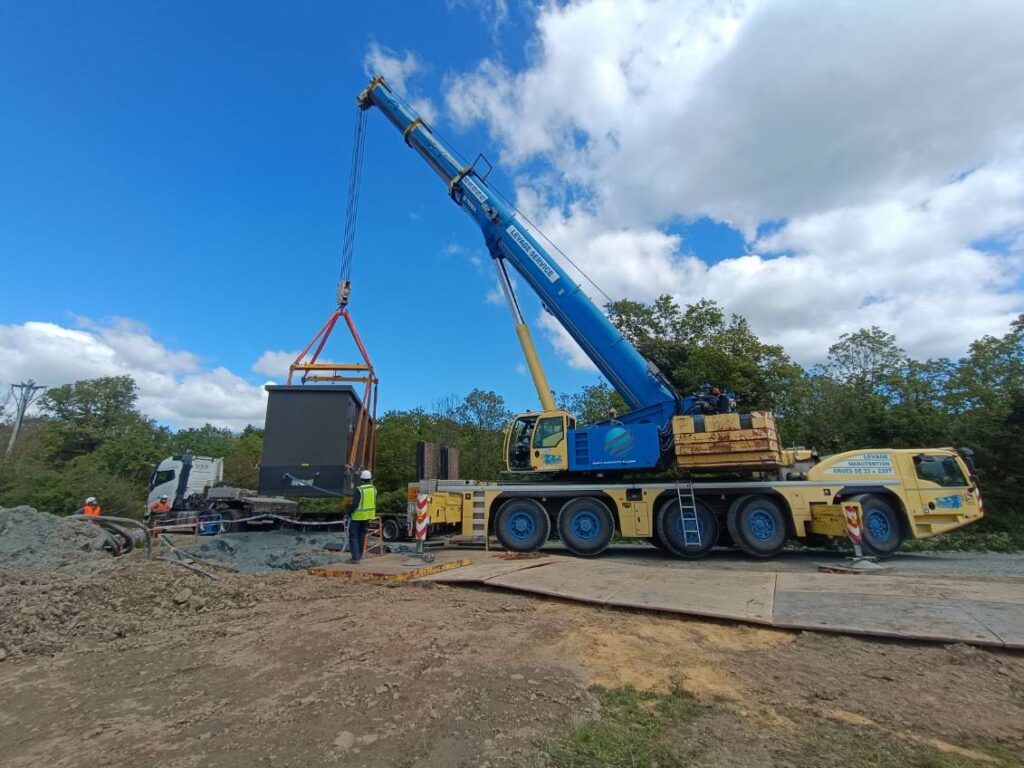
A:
(185, 165)
(182, 166)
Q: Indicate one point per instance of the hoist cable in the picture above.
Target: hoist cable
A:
(355, 176)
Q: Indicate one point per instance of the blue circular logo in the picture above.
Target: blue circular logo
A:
(618, 442)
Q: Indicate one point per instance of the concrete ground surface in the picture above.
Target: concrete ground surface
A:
(144, 663)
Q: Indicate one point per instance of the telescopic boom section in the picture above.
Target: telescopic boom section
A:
(637, 380)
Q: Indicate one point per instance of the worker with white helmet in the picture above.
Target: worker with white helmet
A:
(363, 510)
(160, 507)
(92, 507)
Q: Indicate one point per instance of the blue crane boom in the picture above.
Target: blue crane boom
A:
(636, 379)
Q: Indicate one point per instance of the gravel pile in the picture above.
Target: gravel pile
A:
(33, 539)
(47, 612)
(264, 551)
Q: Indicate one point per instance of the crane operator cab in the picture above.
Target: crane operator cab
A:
(538, 442)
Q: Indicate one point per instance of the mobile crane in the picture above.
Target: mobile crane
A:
(550, 442)
(899, 493)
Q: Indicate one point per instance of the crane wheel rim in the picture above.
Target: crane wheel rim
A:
(878, 526)
(520, 525)
(761, 524)
(701, 532)
(586, 525)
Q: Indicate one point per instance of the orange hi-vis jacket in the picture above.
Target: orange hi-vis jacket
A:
(92, 510)
(160, 506)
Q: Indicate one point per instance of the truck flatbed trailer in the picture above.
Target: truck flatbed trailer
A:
(899, 494)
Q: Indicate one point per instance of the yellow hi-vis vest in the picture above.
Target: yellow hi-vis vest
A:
(367, 509)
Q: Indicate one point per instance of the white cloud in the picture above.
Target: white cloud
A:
(380, 60)
(398, 69)
(889, 137)
(173, 386)
(564, 344)
(275, 363)
(494, 13)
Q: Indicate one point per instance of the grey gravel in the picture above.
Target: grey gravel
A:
(33, 539)
(265, 551)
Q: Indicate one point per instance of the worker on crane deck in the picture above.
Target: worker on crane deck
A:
(160, 507)
(91, 508)
(364, 509)
(723, 403)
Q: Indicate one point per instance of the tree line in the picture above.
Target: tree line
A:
(89, 438)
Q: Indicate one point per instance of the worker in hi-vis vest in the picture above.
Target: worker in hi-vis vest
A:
(91, 508)
(364, 509)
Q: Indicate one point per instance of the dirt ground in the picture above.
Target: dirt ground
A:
(146, 664)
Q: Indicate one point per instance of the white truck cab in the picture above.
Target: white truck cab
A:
(182, 477)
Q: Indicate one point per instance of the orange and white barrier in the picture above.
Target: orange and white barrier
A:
(422, 517)
(853, 530)
(853, 522)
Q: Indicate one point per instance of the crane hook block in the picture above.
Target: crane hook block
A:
(344, 291)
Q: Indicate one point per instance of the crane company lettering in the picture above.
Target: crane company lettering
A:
(864, 464)
(530, 251)
(473, 187)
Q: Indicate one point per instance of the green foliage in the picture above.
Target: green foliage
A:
(698, 347)
(630, 731)
(965, 540)
(92, 441)
(593, 403)
(475, 425)
(392, 502)
(63, 490)
(87, 413)
(206, 440)
(242, 458)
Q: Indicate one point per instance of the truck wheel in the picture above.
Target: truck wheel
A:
(228, 517)
(757, 525)
(683, 543)
(585, 526)
(522, 525)
(880, 525)
(391, 530)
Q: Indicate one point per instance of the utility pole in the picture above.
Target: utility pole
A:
(24, 395)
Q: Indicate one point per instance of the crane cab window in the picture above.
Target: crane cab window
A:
(549, 432)
(942, 470)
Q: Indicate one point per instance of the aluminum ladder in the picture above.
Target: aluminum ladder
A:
(688, 513)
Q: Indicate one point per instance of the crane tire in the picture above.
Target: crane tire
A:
(757, 524)
(881, 534)
(522, 525)
(656, 541)
(586, 526)
(669, 525)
